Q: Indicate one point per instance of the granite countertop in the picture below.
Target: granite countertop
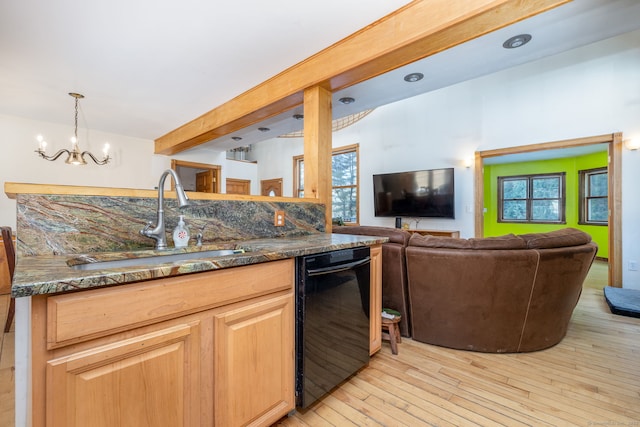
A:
(49, 274)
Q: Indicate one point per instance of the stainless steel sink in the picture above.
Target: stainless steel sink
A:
(154, 260)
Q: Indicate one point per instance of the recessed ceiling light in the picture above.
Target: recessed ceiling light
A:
(298, 116)
(347, 100)
(264, 129)
(236, 138)
(517, 41)
(413, 77)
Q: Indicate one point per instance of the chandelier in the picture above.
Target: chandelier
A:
(74, 156)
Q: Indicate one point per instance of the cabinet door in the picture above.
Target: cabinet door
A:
(238, 186)
(375, 309)
(150, 380)
(254, 362)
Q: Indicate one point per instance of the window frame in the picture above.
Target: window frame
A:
(528, 200)
(298, 189)
(583, 201)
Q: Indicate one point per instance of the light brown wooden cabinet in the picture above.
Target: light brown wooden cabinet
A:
(375, 307)
(214, 348)
(149, 380)
(208, 349)
(254, 377)
(238, 186)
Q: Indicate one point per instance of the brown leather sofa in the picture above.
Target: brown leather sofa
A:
(496, 294)
(394, 273)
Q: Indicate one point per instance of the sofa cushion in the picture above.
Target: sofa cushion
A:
(509, 241)
(556, 239)
(395, 235)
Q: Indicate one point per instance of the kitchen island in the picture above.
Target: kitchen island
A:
(213, 336)
(200, 341)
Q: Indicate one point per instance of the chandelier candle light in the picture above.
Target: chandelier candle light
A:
(74, 156)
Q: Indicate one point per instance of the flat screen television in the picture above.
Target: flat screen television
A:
(425, 193)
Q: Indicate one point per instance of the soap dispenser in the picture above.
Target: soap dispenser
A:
(181, 234)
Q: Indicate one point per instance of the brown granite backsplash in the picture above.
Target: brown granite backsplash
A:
(62, 224)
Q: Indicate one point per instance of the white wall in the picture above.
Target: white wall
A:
(130, 168)
(275, 160)
(241, 170)
(133, 166)
(588, 91)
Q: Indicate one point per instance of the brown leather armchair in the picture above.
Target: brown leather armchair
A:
(497, 294)
(394, 273)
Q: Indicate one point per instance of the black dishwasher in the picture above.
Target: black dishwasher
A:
(332, 320)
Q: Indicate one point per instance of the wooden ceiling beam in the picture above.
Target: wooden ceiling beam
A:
(420, 29)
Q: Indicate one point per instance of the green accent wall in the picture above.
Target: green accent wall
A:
(570, 166)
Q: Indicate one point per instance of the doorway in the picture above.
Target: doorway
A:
(614, 148)
(201, 177)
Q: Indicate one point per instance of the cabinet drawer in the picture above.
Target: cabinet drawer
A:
(81, 316)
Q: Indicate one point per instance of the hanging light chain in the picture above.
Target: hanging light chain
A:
(75, 132)
(77, 96)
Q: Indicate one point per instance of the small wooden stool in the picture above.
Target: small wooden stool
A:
(393, 335)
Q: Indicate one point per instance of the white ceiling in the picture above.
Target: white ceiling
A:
(148, 66)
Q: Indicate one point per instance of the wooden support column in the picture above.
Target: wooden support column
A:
(317, 148)
(615, 210)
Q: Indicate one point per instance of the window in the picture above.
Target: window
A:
(344, 178)
(594, 200)
(532, 198)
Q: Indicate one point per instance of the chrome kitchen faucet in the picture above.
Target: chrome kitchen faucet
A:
(158, 233)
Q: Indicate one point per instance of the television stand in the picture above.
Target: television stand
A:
(444, 233)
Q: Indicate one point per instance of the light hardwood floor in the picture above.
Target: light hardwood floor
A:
(591, 378)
